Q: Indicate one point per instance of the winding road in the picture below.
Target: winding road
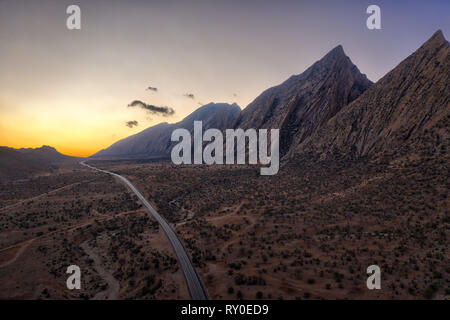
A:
(193, 282)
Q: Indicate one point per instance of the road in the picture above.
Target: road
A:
(193, 282)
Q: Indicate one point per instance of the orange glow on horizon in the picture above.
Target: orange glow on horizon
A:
(68, 151)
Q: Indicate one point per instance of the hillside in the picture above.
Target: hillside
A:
(25, 162)
(407, 110)
(155, 141)
(305, 102)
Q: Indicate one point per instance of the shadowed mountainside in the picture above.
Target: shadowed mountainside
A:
(305, 102)
(155, 141)
(404, 111)
(331, 107)
(21, 163)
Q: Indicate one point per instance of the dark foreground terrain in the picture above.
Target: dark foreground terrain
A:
(88, 219)
(312, 230)
(309, 232)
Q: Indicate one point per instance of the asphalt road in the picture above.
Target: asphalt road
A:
(193, 282)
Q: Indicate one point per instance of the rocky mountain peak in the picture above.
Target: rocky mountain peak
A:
(432, 45)
(306, 101)
(335, 54)
(408, 104)
(437, 38)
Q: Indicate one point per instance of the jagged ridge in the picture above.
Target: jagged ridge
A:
(406, 103)
(305, 102)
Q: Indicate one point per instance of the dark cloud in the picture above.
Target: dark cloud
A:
(189, 95)
(163, 110)
(131, 124)
(152, 89)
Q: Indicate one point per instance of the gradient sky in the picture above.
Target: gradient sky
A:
(70, 89)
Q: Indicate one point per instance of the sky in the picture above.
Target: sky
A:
(71, 88)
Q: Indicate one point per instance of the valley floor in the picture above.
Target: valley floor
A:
(309, 232)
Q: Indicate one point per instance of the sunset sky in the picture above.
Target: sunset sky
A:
(70, 88)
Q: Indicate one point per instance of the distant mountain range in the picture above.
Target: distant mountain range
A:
(25, 162)
(331, 107)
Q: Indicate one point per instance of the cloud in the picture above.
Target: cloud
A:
(152, 89)
(189, 95)
(235, 95)
(163, 110)
(131, 124)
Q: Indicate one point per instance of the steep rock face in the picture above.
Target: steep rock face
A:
(305, 102)
(155, 141)
(410, 101)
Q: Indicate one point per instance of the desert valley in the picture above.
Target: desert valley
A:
(363, 180)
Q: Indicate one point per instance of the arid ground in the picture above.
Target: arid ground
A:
(309, 232)
(88, 219)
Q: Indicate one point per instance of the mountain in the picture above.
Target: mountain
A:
(155, 141)
(305, 102)
(21, 163)
(331, 107)
(407, 109)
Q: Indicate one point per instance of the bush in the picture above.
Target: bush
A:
(430, 291)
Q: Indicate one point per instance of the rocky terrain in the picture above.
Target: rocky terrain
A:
(303, 103)
(406, 111)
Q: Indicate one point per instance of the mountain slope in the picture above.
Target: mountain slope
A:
(21, 163)
(155, 141)
(305, 102)
(409, 102)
